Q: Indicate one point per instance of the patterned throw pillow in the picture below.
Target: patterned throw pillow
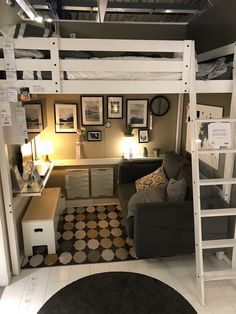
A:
(151, 180)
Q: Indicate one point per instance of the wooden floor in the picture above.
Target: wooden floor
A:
(32, 288)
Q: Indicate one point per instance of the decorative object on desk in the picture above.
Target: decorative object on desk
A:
(16, 179)
(80, 138)
(143, 136)
(159, 105)
(94, 136)
(137, 113)
(156, 152)
(65, 118)
(92, 110)
(145, 152)
(114, 107)
(34, 117)
(90, 234)
(47, 149)
(128, 131)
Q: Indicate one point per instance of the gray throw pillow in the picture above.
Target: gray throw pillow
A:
(157, 194)
(176, 190)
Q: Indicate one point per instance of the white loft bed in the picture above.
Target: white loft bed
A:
(155, 75)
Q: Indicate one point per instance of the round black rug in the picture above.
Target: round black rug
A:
(117, 293)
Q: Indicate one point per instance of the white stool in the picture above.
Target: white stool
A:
(39, 224)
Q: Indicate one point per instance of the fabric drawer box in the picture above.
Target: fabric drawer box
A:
(102, 182)
(77, 183)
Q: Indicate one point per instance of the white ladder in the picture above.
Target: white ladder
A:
(226, 182)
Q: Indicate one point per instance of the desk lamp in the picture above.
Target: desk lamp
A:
(47, 149)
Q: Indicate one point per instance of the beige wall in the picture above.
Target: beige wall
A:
(162, 135)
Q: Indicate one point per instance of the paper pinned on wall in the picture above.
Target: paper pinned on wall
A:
(9, 57)
(12, 94)
(219, 134)
(21, 121)
(5, 110)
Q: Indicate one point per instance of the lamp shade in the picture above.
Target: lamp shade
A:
(47, 148)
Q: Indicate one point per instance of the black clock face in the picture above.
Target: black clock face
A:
(159, 105)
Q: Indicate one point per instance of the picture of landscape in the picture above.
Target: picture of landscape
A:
(92, 110)
(34, 119)
(66, 118)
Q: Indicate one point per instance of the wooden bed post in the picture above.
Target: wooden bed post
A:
(179, 124)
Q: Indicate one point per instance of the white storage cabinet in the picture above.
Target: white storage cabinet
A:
(102, 182)
(77, 183)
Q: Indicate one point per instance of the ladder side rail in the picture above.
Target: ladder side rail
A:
(195, 178)
(231, 158)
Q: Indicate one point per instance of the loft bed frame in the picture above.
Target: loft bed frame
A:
(186, 85)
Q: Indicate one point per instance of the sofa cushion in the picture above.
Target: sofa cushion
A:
(172, 164)
(125, 191)
(186, 173)
(176, 190)
(151, 180)
(156, 194)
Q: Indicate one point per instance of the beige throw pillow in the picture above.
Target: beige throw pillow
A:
(151, 180)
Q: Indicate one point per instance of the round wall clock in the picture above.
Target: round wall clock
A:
(159, 105)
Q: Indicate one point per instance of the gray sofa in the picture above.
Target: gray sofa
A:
(165, 228)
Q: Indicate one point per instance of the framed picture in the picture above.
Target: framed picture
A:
(114, 107)
(65, 118)
(34, 117)
(143, 136)
(93, 136)
(92, 110)
(137, 113)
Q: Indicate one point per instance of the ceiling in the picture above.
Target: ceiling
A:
(114, 11)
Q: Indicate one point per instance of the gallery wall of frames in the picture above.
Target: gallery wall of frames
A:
(100, 122)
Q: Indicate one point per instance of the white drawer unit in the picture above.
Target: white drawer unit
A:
(77, 183)
(102, 182)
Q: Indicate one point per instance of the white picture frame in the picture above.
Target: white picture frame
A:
(137, 112)
(65, 117)
(92, 110)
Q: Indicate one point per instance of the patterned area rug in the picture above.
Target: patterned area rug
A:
(92, 234)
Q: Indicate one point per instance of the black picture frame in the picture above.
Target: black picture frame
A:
(115, 107)
(66, 117)
(34, 117)
(94, 136)
(92, 110)
(137, 113)
(143, 136)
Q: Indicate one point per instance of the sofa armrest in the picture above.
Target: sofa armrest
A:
(167, 228)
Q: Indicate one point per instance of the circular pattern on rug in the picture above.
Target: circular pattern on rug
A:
(80, 234)
(36, 260)
(93, 256)
(104, 233)
(103, 223)
(117, 292)
(112, 215)
(70, 210)
(69, 217)
(65, 258)
(79, 257)
(51, 259)
(114, 223)
(101, 209)
(93, 244)
(66, 246)
(117, 232)
(102, 216)
(92, 233)
(80, 245)
(80, 225)
(119, 242)
(91, 224)
(106, 243)
(80, 210)
(80, 217)
(107, 255)
(122, 254)
(68, 226)
(90, 209)
(67, 235)
(91, 216)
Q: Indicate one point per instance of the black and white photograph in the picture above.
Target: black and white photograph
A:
(137, 113)
(143, 136)
(34, 118)
(93, 136)
(114, 107)
(65, 118)
(92, 110)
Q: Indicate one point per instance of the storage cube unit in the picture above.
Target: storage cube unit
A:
(39, 224)
(77, 183)
(102, 182)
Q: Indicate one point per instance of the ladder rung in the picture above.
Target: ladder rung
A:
(217, 150)
(219, 181)
(215, 120)
(219, 275)
(222, 243)
(218, 212)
